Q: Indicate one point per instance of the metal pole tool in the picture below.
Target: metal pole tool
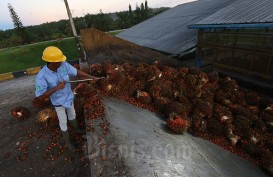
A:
(83, 80)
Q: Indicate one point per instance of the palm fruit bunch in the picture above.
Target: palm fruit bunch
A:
(94, 70)
(143, 97)
(168, 73)
(84, 90)
(153, 73)
(160, 103)
(141, 71)
(267, 117)
(20, 112)
(48, 115)
(175, 107)
(203, 109)
(177, 124)
(267, 161)
(198, 124)
(106, 68)
(39, 103)
(222, 113)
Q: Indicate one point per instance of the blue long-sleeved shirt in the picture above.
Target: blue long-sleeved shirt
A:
(47, 79)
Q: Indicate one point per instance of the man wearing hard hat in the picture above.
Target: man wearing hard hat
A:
(51, 82)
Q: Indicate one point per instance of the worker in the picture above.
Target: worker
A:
(51, 82)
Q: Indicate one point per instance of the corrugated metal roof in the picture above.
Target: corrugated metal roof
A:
(242, 12)
(168, 31)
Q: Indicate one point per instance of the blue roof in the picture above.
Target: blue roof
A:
(168, 31)
(240, 14)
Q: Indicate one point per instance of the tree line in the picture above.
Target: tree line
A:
(57, 30)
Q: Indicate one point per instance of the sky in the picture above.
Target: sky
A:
(35, 12)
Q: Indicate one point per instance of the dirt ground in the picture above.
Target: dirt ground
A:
(31, 149)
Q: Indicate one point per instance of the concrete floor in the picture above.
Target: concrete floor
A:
(149, 150)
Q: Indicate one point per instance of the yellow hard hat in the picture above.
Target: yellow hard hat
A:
(53, 54)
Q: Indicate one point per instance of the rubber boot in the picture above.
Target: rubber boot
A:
(76, 128)
(68, 142)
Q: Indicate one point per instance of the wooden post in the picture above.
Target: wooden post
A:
(83, 61)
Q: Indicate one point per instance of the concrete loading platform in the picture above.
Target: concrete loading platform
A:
(146, 149)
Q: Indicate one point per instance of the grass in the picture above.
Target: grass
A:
(29, 56)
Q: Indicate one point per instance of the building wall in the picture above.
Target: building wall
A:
(246, 50)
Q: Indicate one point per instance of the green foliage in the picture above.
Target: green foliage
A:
(62, 29)
(20, 29)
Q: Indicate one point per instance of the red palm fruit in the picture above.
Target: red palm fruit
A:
(106, 67)
(175, 107)
(140, 85)
(20, 113)
(167, 89)
(47, 115)
(245, 112)
(177, 124)
(204, 109)
(153, 73)
(267, 114)
(253, 99)
(105, 86)
(129, 89)
(213, 77)
(254, 137)
(86, 69)
(222, 114)
(194, 71)
(38, 103)
(118, 77)
(252, 149)
(141, 72)
(242, 126)
(259, 125)
(190, 80)
(180, 85)
(185, 102)
(229, 85)
(168, 73)
(207, 94)
(222, 97)
(267, 160)
(198, 124)
(143, 97)
(203, 78)
(233, 139)
(267, 140)
(183, 70)
(161, 102)
(95, 70)
(129, 70)
(127, 66)
(155, 91)
(215, 127)
(84, 90)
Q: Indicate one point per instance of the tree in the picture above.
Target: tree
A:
(137, 15)
(146, 10)
(21, 31)
(146, 5)
(130, 9)
(103, 22)
(130, 20)
(123, 20)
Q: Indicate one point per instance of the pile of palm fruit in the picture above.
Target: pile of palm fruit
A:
(205, 105)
